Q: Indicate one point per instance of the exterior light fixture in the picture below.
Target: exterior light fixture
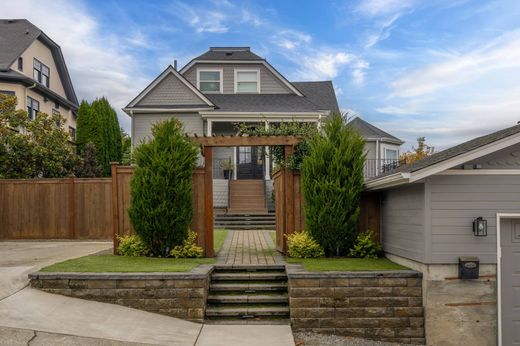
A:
(480, 227)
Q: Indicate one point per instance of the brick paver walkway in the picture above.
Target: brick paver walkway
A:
(249, 247)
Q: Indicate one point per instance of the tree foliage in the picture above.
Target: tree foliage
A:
(98, 124)
(32, 148)
(161, 188)
(294, 128)
(332, 180)
(87, 166)
(423, 150)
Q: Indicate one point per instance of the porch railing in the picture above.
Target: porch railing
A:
(374, 167)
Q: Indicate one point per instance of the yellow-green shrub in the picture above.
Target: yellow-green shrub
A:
(188, 249)
(302, 245)
(132, 245)
(365, 247)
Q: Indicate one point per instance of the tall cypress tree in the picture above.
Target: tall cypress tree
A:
(87, 130)
(332, 180)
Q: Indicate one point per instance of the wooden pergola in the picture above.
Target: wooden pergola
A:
(207, 144)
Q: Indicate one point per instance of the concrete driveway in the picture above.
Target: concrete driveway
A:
(31, 316)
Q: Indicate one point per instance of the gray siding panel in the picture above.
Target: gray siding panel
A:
(456, 201)
(403, 222)
(220, 193)
(142, 124)
(269, 83)
(170, 91)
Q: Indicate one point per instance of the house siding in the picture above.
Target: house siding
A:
(142, 125)
(170, 91)
(269, 83)
(456, 201)
(220, 193)
(403, 221)
(508, 158)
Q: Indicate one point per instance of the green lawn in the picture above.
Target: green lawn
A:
(346, 264)
(219, 236)
(122, 264)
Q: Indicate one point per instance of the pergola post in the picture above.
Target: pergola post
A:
(289, 196)
(208, 202)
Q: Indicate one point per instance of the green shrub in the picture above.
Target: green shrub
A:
(365, 247)
(133, 246)
(301, 245)
(332, 180)
(161, 188)
(188, 249)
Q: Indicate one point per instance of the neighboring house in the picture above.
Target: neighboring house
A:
(381, 148)
(33, 69)
(219, 89)
(429, 209)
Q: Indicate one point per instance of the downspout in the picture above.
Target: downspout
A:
(377, 157)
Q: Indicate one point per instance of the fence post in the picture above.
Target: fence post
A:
(208, 201)
(115, 206)
(289, 196)
(72, 206)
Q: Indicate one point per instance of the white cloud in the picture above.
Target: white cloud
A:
(383, 32)
(97, 62)
(375, 8)
(322, 65)
(501, 53)
(290, 39)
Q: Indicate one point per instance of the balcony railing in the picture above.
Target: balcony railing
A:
(374, 167)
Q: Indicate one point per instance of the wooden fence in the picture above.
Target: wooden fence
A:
(70, 208)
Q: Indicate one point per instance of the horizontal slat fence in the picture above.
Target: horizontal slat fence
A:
(69, 208)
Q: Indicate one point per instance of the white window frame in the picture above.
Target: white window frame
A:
(220, 70)
(257, 71)
(385, 148)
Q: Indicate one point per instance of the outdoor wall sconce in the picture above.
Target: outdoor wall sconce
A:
(480, 227)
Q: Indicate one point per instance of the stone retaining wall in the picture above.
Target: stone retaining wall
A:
(181, 295)
(383, 306)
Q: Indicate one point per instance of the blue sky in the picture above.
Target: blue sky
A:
(448, 70)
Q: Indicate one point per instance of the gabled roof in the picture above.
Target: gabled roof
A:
(228, 53)
(169, 70)
(321, 93)
(233, 55)
(369, 131)
(451, 157)
(16, 35)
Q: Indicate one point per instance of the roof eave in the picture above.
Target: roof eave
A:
(387, 181)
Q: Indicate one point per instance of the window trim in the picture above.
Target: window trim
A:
(72, 134)
(257, 71)
(57, 112)
(20, 63)
(221, 81)
(31, 101)
(40, 72)
(396, 150)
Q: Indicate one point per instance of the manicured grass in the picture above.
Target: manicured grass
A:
(219, 236)
(346, 264)
(122, 264)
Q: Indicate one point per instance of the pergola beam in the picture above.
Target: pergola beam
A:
(246, 141)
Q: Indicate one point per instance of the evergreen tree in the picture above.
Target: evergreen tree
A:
(332, 179)
(161, 188)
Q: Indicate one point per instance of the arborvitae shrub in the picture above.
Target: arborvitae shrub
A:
(332, 179)
(161, 188)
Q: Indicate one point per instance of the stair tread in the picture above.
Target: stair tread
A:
(248, 298)
(250, 276)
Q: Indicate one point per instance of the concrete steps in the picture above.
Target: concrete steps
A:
(244, 293)
(246, 221)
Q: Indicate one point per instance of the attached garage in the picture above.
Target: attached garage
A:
(428, 213)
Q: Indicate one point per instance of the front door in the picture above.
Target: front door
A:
(250, 163)
(510, 280)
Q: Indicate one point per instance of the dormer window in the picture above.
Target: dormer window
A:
(247, 81)
(210, 80)
(41, 72)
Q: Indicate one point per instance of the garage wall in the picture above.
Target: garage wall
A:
(456, 201)
(403, 217)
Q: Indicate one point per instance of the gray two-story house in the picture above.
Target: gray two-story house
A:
(219, 89)
(227, 86)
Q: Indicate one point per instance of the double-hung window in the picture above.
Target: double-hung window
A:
(247, 81)
(57, 117)
(41, 72)
(33, 107)
(210, 81)
(72, 133)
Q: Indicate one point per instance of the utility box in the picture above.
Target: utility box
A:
(469, 268)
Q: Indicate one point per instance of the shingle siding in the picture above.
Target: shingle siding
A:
(269, 83)
(403, 212)
(170, 91)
